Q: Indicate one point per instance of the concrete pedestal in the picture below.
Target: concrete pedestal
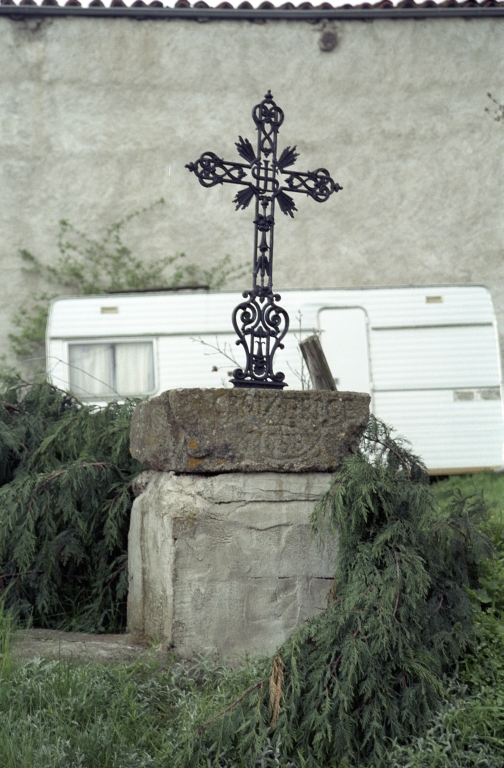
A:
(222, 562)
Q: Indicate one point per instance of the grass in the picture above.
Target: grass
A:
(61, 714)
(490, 484)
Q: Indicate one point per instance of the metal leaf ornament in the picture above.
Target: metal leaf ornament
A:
(245, 150)
(243, 197)
(288, 157)
(286, 204)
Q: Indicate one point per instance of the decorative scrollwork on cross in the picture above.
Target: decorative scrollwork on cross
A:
(260, 322)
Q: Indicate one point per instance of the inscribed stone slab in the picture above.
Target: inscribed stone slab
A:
(204, 431)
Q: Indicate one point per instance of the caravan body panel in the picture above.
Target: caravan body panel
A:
(429, 356)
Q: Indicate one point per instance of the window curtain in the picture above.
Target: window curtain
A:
(134, 368)
(100, 370)
(91, 369)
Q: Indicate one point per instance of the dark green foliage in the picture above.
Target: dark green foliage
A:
(366, 673)
(481, 716)
(65, 498)
(451, 739)
(468, 731)
(486, 485)
(483, 668)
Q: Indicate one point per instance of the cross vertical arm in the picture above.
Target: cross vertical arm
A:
(260, 323)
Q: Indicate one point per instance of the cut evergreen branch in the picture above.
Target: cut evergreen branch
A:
(58, 713)
(365, 674)
(65, 496)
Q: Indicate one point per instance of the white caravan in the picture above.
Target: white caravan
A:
(428, 356)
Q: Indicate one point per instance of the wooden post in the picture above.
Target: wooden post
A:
(318, 367)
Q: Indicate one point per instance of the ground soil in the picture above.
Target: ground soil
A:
(53, 644)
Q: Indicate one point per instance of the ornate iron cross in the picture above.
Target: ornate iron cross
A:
(262, 324)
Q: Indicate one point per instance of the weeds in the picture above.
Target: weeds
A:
(58, 714)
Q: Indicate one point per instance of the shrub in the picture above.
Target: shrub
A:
(367, 672)
(65, 499)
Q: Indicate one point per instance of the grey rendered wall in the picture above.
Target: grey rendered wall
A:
(99, 116)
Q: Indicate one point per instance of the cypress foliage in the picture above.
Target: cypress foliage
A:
(367, 671)
(65, 498)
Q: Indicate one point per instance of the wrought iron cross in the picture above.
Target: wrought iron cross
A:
(262, 323)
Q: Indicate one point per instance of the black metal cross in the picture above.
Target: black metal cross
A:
(263, 324)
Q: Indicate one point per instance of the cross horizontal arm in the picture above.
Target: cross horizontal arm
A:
(211, 170)
(317, 184)
(260, 322)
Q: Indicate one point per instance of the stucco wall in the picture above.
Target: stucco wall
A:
(99, 116)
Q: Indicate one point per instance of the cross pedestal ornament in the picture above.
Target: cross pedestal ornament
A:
(260, 322)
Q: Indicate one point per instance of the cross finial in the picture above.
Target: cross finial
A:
(262, 323)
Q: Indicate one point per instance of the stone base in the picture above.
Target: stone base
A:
(211, 431)
(223, 564)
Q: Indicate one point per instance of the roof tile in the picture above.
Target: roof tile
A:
(266, 5)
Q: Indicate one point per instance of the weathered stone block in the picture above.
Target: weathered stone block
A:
(205, 431)
(224, 563)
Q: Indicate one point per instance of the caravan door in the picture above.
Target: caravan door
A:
(344, 338)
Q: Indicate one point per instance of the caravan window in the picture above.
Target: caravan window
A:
(107, 370)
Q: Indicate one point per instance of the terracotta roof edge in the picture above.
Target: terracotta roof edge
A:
(305, 11)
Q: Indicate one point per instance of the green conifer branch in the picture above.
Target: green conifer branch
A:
(366, 672)
(66, 493)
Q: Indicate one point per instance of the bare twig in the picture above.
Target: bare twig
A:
(392, 450)
(114, 576)
(58, 474)
(12, 407)
(398, 588)
(438, 608)
(335, 665)
(231, 706)
(217, 348)
(17, 575)
(66, 392)
(448, 634)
